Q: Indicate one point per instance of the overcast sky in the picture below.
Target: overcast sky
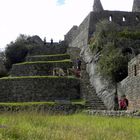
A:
(47, 18)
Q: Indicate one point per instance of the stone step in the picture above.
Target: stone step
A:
(92, 100)
(47, 57)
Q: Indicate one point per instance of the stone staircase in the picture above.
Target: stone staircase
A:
(89, 93)
(33, 81)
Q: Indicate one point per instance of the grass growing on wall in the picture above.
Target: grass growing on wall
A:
(40, 106)
(52, 55)
(45, 62)
(35, 77)
(78, 101)
(33, 126)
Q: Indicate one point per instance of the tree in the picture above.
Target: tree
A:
(116, 46)
(3, 71)
(16, 51)
(112, 63)
(105, 32)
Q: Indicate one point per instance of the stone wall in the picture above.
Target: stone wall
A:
(44, 107)
(71, 34)
(104, 88)
(81, 34)
(87, 27)
(131, 85)
(113, 113)
(47, 57)
(29, 89)
(38, 68)
(120, 17)
(55, 48)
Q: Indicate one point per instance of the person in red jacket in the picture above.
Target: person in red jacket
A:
(123, 103)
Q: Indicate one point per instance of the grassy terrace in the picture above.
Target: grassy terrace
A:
(82, 102)
(45, 62)
(53, 55)
(37, 106)
(34, 77)
(42, 126)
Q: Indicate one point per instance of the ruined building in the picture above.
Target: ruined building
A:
(78, 37)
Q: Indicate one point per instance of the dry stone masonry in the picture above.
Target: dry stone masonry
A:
(130, 86)
(33, 80)
(79, 36)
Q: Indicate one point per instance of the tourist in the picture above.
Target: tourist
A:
(123, 103)
(44, 40)
(51, 41)
(78, 63)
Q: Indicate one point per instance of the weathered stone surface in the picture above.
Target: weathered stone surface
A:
(38, 68)
(29, 89)
(104, 89)
(130, 86)
(113, 113)
(36, 39)
(56, 48)
(87, 28)
(101, 86)
(71, 34)
(55, 108)
(97, 6)
(136, 6)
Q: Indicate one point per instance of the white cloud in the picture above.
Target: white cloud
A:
(46, 17)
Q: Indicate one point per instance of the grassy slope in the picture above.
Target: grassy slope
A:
(32, 126)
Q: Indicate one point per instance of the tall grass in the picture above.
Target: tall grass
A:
(33, 126)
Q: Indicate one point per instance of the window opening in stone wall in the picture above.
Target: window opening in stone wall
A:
(137, 18)
(135, 70)
(110, 18)
(124, 19)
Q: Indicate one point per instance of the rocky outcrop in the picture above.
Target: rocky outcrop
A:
(103, 88)
(36, 39)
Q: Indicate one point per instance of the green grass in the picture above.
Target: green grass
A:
(52, 55)
(34, 77)
(26, 103)
(40, 106)
(33, 126)
(80, 101)
(45, 62)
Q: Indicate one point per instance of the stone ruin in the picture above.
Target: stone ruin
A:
(79, 36)
(130, 86)
(33, 81)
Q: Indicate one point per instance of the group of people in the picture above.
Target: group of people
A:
(46, 42)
